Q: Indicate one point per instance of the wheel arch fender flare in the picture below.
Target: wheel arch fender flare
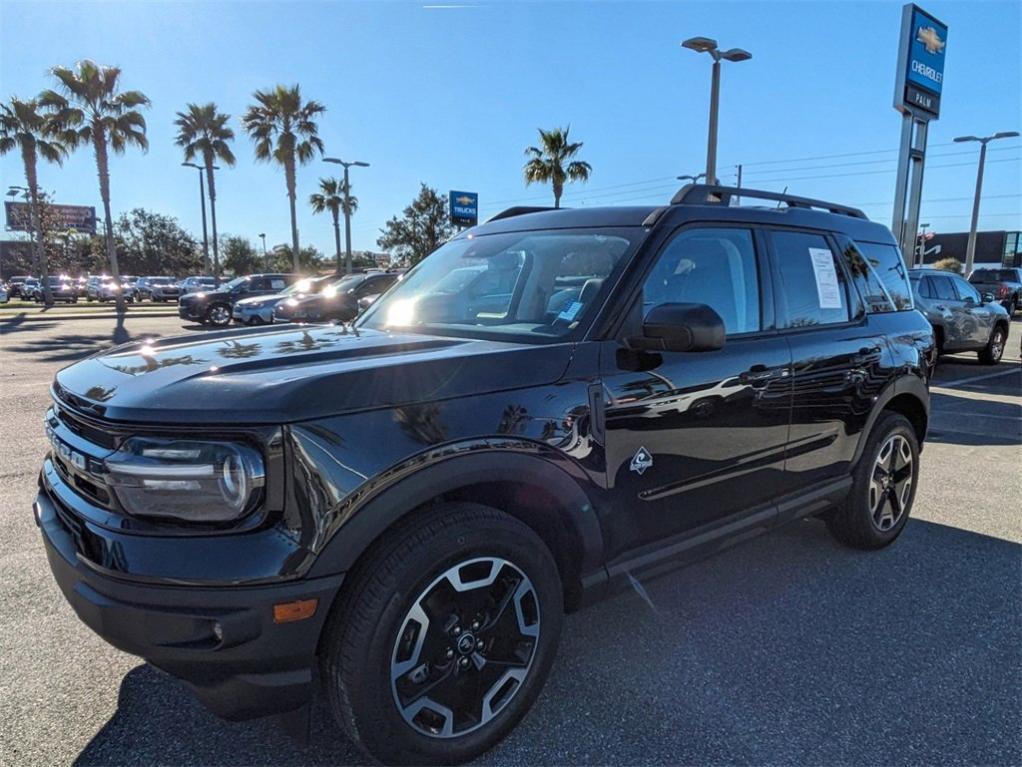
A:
(572, 514)
(908, 395)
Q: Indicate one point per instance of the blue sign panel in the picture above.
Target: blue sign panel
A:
(926, 52)
(920, 63)
(464, 208)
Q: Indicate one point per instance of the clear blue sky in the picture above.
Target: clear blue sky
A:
(452, 95)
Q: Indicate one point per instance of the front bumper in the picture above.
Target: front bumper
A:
(191, 311)
(254, 667)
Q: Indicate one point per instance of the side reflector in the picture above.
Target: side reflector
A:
(299, 610)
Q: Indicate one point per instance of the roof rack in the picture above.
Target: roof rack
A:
(707, 194)
(519, 210)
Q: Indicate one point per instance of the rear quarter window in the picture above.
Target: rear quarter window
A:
(886, 261)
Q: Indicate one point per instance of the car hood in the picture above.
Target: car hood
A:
(295, 374)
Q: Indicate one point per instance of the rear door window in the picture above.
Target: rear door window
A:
(813, 287)
(943, 289)
(886, 261)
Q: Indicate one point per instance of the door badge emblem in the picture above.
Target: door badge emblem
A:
(641, 461)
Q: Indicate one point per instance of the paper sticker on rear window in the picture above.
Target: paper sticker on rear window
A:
(827, 289)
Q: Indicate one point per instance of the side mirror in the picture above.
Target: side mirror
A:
(987, 298)
(680, 328)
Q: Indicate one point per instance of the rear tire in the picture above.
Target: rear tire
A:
(462, 601)
(994, 350)
(879, 503)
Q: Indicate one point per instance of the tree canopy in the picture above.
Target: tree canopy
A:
(422, 228)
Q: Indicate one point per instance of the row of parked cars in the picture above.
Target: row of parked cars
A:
(261, 299)
(102, 288)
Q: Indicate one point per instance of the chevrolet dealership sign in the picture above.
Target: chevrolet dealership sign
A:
(920, 63)
(464, 208)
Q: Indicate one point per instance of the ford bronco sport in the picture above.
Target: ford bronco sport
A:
(401, 510)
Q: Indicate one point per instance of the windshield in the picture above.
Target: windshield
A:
(308, 285)
(229, 285)
(537, 286)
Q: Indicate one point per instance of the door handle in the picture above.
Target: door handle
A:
(866, 354)
(759, 374)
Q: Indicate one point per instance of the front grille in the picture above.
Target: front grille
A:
(80, 443)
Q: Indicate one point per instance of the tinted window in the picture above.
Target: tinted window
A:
(943, 289)
(965, 290)
(813, 286)
(994, 275)
(865, 279)
(716, 267)
(886, 262)
(924, 286)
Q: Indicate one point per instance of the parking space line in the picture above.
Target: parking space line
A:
(974, 379)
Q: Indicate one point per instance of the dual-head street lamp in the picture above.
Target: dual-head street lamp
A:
(709, 45)
(347, 205)
(970, 252)
(202, 202)
(694, 179)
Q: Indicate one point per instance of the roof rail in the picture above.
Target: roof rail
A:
(519, 210)
(707, 194)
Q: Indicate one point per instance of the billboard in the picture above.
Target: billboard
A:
(464, 208)
(921, 57)
(78, 218)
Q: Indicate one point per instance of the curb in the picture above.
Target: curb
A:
(26, 317)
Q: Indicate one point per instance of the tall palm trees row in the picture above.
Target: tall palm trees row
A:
(88, 108)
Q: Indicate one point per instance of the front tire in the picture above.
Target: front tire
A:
(883, 487)
(444, 636)
(994, 350)
(218, 315)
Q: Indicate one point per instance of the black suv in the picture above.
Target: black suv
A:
(551, 405)
(213, 307)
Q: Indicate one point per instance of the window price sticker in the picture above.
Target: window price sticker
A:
(827, 289)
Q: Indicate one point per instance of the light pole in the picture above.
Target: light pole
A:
(202, 202)
(709, 45)
(266, 264)
(694, 179)
(970, 252)
(922, 244)
(347, 206)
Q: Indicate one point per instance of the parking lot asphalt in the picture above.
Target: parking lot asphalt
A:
(787, 649)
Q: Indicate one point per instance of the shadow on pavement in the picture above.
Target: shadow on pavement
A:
(70, 346)
(789, 649)
(960, 420)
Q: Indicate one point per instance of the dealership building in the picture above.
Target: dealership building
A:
(998, 248)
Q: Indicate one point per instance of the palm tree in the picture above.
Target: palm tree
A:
(283, 129)
(94, 111)
(203, 132)
(334, 196)
(547, 162)
(32, 128)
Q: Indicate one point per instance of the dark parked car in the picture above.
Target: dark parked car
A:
(1005, 285)
(337, 303)
(158, 289)
(214, 307)
(410, 504)
(962, 319)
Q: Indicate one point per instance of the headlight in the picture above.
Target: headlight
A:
(186, 479)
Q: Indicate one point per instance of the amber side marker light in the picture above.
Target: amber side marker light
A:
(299, 610)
